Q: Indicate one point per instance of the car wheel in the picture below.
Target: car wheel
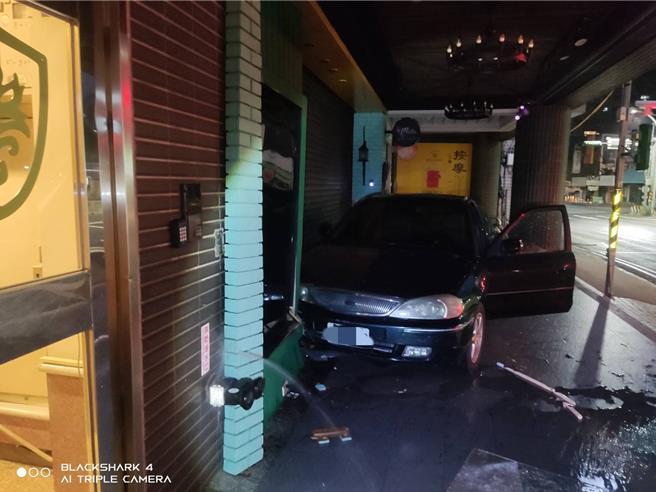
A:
(471, 357)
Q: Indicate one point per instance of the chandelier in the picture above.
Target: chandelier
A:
(469, 110)
(491, 51)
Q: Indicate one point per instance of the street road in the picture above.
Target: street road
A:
(636, 249)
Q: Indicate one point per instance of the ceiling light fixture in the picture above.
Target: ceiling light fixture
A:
(522, 111)
(468, 110)
(490, 51)
(564, 57)
(580, 42)
(333, 69)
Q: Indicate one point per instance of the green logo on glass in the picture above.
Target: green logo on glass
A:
(22, 136)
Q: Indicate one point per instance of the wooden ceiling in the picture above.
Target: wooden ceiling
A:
(325, 55)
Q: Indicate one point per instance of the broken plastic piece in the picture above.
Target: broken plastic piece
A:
(323, 435)
(573, 411)
(568, 403)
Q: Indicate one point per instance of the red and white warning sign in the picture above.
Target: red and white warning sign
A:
(204, 349)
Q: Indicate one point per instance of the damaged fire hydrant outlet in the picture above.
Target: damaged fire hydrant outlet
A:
(242, 392)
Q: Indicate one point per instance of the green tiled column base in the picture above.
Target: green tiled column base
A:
(242, 442)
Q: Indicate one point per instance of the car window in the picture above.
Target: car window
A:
(442, 224)
(540, 231)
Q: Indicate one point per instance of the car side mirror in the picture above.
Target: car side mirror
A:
(512, 246)
(325, 230)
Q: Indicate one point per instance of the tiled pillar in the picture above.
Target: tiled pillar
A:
(243, 222)
(539, 169)
(374, 124)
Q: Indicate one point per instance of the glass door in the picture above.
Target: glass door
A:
(46, 366)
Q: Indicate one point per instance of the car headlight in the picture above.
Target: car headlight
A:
(445, 306)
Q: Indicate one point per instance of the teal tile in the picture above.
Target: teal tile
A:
(235, 468)
(233, 332)
(245, 318)
(241, 452)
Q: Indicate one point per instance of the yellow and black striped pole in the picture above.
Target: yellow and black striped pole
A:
(614, 219)
(613, 230)
(614, 223)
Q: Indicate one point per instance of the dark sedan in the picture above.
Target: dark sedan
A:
(413, 277)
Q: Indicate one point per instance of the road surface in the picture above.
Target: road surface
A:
(636, 249)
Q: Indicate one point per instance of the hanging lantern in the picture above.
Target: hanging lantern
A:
(363, 156)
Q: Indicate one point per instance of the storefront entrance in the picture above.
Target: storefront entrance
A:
(46, 363)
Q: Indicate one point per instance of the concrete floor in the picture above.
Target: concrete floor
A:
(413, 427)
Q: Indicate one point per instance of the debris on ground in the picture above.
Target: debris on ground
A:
(567, 356)
(323, 435)
(320, 387)
(566, 401)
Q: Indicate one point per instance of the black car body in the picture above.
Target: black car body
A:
(413, 276)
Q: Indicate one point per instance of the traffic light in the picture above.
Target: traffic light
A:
(646, 133)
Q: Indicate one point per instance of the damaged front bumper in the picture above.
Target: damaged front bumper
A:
(388, 340)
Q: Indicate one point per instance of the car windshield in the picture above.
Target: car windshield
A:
(408, 221)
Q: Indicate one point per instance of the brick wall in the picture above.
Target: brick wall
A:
(178, 70)
(244, 273)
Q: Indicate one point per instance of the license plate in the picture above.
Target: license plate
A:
(348, 335)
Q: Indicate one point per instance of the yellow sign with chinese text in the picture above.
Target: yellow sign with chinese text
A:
(442, 168)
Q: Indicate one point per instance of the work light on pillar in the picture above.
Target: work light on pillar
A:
(363, 156)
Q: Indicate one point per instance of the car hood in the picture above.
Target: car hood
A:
(397, 271)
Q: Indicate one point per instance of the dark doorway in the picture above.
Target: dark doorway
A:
(280, 169)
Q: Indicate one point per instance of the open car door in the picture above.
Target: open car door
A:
(530, 267)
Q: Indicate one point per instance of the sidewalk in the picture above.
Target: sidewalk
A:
(634, 299)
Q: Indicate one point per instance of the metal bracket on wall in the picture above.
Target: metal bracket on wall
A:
(219, 242)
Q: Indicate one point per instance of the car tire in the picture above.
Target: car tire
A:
(470, 358)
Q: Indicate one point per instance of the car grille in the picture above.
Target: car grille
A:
(354, 303)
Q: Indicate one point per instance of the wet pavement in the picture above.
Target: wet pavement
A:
(413, 427)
